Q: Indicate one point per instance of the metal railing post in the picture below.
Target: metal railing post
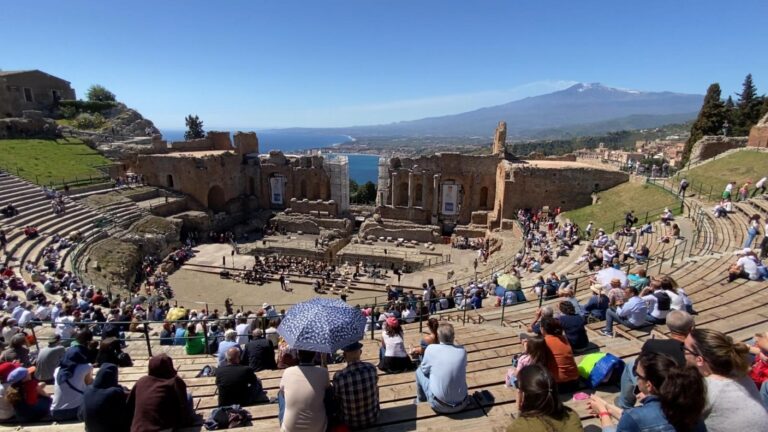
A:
(464, 319)
(674, 252)
(421, 315)
(146, 336)
(34, 335)
(503, 305)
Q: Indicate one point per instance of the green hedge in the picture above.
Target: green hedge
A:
(87, 106)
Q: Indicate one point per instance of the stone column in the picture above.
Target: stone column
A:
(393, 189)
(424, 189)
(411, 192)
(435, 196)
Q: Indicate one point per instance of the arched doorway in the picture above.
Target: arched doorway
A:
(216, 200)
(417, 198)
(483, 204)
(169, 181)
(402, 194)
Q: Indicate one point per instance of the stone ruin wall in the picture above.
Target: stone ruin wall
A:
(315, 208)
(711, 146)
(758, 135)
(566, 187)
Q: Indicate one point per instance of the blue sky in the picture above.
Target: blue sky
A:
(264, 63)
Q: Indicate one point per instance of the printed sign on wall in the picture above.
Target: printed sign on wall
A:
(276, 187)
(450, 198)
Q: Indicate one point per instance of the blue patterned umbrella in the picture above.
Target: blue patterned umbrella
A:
(322, 325)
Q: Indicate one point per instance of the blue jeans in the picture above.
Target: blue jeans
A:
(424, 395)
(280, 406)
(627, 398)
(751, 234)
(764, 393)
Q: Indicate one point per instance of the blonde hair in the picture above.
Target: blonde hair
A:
(723, 356)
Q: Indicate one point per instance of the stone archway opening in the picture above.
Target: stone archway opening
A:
(483, 204)
(169, 181)
(216, 200)
(402, 194)
(417, 196)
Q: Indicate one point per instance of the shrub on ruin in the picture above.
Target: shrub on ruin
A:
(99, 93)
(86, 106)
(89, 121)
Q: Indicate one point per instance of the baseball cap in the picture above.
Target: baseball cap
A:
(354, 346)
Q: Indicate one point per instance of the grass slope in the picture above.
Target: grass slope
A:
(46, 161)
(739, 167)
(615, 202)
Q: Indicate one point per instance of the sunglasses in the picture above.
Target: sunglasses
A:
(634, 371)
(685, 349)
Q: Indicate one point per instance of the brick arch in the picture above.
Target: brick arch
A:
(216, 199)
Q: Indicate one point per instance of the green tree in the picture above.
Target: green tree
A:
(366, 194)
(747, 107)
(764, 109)
(194, 127)
(99, 93)
(730, 115)
(710, 120)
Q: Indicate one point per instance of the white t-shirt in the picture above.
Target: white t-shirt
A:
(761, 182)
(242, 333)
(750, 267)
(393, 345)
(65, 327)
(677, 300)
(304, 389)
(6, 409)
(653, 304)
(64, 396)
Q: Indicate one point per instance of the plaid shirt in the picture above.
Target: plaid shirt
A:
(357, 392)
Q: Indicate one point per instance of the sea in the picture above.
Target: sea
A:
(362, 168)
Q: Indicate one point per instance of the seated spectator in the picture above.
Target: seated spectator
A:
(104, 403)
(667, 216)
(195, 343)
(356, 390)
(393, 357)
(27, 396)
(673, 398)
(574, 326)
(540, 406)
(638, 279)
(679, 324)
(303, 391)
(178, 336)
(259, 353)
(560, 360)
(428, 339)
(680, 300)
(659, 303)
(159, 400)
(545, 311)
(733, 403)
(110, 352)
(597, 304)
(230, 341)
(48, 360)
(759, 370)
(441, 379)
(166, 334)
(631, 312)
(271, 332)
(71, 378)
(534, 352)
(237, 384)
(286, 356)
(17, 351)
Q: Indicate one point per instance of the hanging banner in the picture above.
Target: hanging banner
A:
(276, 187)
(450, 198)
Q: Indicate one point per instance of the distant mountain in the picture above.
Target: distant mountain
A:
(586, 108)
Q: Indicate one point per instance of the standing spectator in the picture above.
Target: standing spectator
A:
(238, 384)
(72, 376)
(733, 403)
(539, 405)
(159, 400)
(104, 403)
(674, 398)
(753, 229)
(759, 185)
(48, 359)
(303, 390)
(259, 353)
(356, 389)
(441, 379)
(631, 312)
(683, 188)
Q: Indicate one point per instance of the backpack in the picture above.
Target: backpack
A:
(228, 417)
(663, 299)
